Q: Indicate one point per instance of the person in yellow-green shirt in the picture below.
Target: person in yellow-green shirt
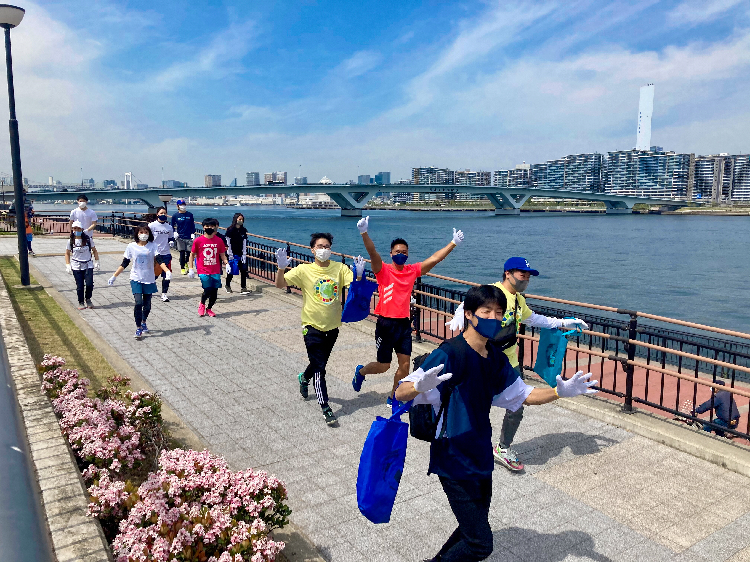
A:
(322, 283)
(516, 275)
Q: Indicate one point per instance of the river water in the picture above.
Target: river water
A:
(693, 268)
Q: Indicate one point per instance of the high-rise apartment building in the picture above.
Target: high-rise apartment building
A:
(212, 180)
(252, 178)
(645, 110)
(383, 178)
(174, 183)
(363, 179)
(109, 183)
(467, 177)
(301, 180)
(741, 179)
(431, 175)
(274, 178)
(518, 177)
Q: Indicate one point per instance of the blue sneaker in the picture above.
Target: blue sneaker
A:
(144, 328)
(358, 379)
(138, 333)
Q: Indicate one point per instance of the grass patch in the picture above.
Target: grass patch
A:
(48, 329)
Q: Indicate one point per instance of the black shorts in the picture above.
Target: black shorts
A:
(392, 334)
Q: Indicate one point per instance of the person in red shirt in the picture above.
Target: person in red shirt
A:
(209, 252)
(395, 283)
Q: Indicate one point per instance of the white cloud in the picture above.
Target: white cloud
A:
(358, 64)
(693, 12)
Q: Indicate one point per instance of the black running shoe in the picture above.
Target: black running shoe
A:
(328, 415)
(302, 385)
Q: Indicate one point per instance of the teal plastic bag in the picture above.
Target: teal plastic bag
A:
(381, 465)
(551, 354)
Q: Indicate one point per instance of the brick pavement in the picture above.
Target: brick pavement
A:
(590, 491)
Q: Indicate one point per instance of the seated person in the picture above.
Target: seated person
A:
(727, 414)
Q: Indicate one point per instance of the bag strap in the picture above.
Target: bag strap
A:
(576, 330)
(397, 411)
(458, 358)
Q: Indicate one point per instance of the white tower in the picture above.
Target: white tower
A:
(128, 180)
(645, 109)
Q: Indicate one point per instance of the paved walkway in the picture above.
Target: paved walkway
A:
(590, 492)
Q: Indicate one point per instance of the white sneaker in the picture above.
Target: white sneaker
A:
(164, 297)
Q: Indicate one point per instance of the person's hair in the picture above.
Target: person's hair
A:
(139, 229)
(210, 221)
(84, 238)
(82, 196)
(484, 295)
(505, 273)
(161, 209)
(397, 241)
(719, 383)
(235, 217)
(315, 236)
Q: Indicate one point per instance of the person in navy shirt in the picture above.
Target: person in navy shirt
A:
(727, 413)
(476, 377)
(183, 224)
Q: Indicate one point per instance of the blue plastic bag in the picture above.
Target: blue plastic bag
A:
(551, 354)
(381, 465)
(234, 266)
(357, 305)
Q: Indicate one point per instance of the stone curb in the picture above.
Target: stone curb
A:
(74, 536)
(298, 547)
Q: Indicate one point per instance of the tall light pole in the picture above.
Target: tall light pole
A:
(10, 17)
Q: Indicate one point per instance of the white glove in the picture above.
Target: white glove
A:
(576, 386)
(282, 260)
(429, 379)
(97, 267)
(574, 323)
(192, 236)
(458, 236)
(456, 324)
(68, 269)
(176, 235)
(227, 269)
(168, 276)
(191, 273)
(111, 280)
(171, 242)
(362, 224)
(244, 258)
(359, 267)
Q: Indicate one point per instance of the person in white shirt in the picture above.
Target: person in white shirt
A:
(164, 240)
(87, 217)
(81, 260)
(142, 254)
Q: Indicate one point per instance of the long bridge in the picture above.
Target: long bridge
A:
(353, 198)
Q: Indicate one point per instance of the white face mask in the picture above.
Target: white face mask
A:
(181, 207)
(143, 237)
(81, 204)
(323, 254)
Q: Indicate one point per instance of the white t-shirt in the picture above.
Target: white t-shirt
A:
(163, 231)
(141, 262)
(86, 216)
(81, 256)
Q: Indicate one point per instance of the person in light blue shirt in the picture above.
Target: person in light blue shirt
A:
(183, 224)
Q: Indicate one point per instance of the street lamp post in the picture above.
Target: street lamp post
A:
(10, 17)
(165, 198)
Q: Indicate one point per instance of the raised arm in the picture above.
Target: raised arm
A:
(376, 262)
(282, 260)
(440, 255)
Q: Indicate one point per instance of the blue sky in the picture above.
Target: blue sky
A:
(342, 88)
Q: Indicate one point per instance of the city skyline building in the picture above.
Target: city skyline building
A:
(474, 178)
(212, 180)
(363, 179)
(252, 178)
(645, 111)
(274, 178)
(383, 178)
(432, 175)
(301, 180)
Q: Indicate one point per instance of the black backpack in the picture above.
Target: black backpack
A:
(422, 418)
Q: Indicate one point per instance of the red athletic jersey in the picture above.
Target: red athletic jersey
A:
(394, 289)
(208, 254)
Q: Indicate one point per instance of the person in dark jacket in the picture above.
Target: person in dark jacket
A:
(237, 244)
(725, 408)
(183, 225)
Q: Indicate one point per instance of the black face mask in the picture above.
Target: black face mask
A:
(161, 218)
(209, 231)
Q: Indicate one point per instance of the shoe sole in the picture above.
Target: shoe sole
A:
(505, 464)
(331, 422)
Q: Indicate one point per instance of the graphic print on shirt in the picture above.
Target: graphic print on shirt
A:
(326, 290)
(210, 254)
(388, 293)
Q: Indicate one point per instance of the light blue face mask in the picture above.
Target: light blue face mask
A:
(488, 327)
(78, 232)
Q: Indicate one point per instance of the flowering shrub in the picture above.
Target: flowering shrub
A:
(191, 508)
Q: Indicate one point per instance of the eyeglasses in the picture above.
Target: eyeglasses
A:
(319, 247)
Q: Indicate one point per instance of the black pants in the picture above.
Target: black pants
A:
(184, 258)
(84, 276)
(319, 346)
(243, 276)
(142, 308)
(470, 503)
(210, 296)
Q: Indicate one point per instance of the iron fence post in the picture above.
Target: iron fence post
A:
(629, 369)
(417, 313)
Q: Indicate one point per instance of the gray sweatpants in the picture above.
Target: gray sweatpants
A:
(511, 423)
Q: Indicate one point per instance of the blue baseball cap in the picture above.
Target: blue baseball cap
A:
(522, 264)
(180, 201)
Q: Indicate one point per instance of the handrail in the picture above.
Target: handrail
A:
(732, 333)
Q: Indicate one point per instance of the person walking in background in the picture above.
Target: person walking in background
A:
(209, 252)
(237, 237)
(516, 275)
(87, 217)
(395, 284)
(727, 413)
(81, 261)
(477, 376)
(142, 254)
(183, 225)
(322, 283)
(164, 240)
(29, 231)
